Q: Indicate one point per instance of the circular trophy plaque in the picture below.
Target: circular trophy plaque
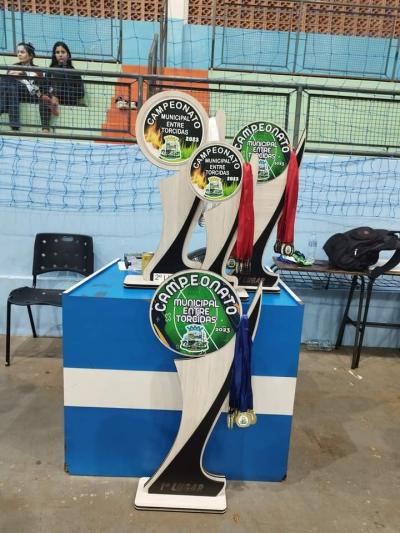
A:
(215, 171)
(271, 144)
(170, 126)
(195, 312)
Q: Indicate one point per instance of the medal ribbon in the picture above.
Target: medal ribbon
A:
(243, 249)
(241, 394)
(287, 220)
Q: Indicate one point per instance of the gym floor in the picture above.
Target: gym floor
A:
(344, 465)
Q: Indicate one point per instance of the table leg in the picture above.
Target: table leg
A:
(358, 322)
(356, 354)
(345, 319)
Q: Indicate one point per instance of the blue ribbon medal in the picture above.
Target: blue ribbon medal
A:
(241, 395)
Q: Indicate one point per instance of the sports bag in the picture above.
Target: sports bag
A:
(359, 248)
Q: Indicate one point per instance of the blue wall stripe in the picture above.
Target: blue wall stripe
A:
(123, 442)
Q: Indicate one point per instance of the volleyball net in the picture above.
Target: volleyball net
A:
(72, 176)
(298, 36)
(353, 126)
(316, 37)
(94, 31)
(92, 177)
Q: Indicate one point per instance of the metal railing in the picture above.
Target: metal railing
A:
(95, 116)
(163, 35)
(152, 63)
(341, 120)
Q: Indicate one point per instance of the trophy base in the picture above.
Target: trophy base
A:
(252, 288)
(250, 281)
(251, 284)
(178, 502)
(133, 281)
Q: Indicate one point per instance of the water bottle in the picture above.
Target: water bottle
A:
(325, 345)
(312, 345)
(317, 345)
(312, 247)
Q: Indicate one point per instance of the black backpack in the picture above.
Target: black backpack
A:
(359, 249)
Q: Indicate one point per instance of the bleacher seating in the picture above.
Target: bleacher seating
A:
(85, 119)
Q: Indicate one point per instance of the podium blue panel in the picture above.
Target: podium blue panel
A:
(122, 396)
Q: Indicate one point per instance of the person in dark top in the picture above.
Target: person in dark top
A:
(25, 86)
(66, 87)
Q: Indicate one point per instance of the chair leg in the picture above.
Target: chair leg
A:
(8, 334)
(31, 321)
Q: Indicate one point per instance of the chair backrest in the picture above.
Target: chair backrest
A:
(62, 252)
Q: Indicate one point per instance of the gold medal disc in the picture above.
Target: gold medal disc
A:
(243, 420)
(253, 417)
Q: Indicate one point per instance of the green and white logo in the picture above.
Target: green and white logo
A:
(170, 127)
(216, 172)
(195, 312)
(271, 144)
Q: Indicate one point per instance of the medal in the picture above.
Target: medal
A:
(230, 419)
(241, 410)
(243, 420)
(253, 416)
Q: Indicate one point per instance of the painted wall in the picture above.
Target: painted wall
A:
(337, 194)
(47, 185)
(190, 45)
(92, 38)
(338, 55)
(107, 191)
(111, 193)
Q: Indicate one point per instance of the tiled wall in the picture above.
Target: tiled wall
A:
(120, 9)
(376, 18)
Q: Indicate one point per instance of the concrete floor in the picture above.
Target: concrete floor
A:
(343, 474)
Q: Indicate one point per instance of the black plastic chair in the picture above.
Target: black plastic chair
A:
(53, 252)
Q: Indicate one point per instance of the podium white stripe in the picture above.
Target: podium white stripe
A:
(133, 389)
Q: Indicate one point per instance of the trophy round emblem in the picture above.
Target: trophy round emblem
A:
(271, 144)
(195, 312)
(216, 171)
(170, 126)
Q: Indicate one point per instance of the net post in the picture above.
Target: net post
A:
(140, 91)
(213, 24)
(297, 116)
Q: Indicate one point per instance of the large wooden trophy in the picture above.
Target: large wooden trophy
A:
(267, 147)
(196, 310)
(174, 132)
(196, 314)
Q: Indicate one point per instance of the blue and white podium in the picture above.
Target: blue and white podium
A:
(122, 396)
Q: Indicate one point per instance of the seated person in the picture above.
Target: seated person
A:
(66, 88)
(25, 86)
